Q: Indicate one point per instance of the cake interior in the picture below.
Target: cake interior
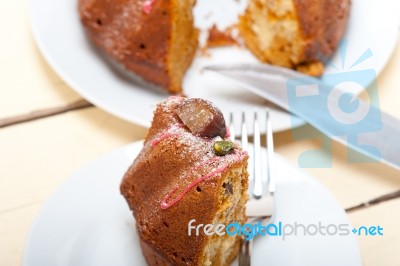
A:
(183, 44)
(221, 250)
(272, 32)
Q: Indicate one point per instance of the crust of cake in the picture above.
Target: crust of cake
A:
(153, 257)
(227, 247)
(157, 171)
(145, 43)
(298, 34)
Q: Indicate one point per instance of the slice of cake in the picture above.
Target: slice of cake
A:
(188, 172)
(155, 39)
(298, 34)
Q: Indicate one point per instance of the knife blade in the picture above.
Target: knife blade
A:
(368, 130)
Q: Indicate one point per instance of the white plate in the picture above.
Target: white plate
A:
(87, 221)
(62, 41)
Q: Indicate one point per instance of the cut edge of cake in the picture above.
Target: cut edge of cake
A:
(221, 250)
(293, 33)
(184, 43)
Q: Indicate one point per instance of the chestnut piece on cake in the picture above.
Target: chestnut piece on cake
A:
(202, 118)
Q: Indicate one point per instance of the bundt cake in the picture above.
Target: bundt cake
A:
(157, 39)
(187, 171)
(299, 34)
(154, 39)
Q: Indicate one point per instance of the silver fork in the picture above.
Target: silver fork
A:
(261, 190)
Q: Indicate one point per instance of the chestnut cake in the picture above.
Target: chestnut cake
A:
(187, 170)
(157, 40)
(298, 34)
(154, 39)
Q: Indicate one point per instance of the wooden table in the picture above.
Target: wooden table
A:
(37, 156)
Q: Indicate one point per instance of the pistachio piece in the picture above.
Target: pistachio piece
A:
(223, 147)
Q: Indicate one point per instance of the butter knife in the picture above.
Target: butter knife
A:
(368, 130)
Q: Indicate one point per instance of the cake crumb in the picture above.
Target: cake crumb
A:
(217, 38)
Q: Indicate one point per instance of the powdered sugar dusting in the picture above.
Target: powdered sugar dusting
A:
(169, 133)
(191, 147)
(237, 157)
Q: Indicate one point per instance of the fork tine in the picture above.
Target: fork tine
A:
(231, 127)
(258, 189)
(257, 179)
(244, 140)
(270, 154)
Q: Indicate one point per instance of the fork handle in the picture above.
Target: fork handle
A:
(244, 252)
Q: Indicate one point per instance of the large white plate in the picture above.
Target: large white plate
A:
(87, 221)
(62, 40)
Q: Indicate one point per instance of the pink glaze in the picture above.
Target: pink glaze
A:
(165, 205)
(148, 6)
(169, 133)
(166, 134)
(162, 137)
(176, 97)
